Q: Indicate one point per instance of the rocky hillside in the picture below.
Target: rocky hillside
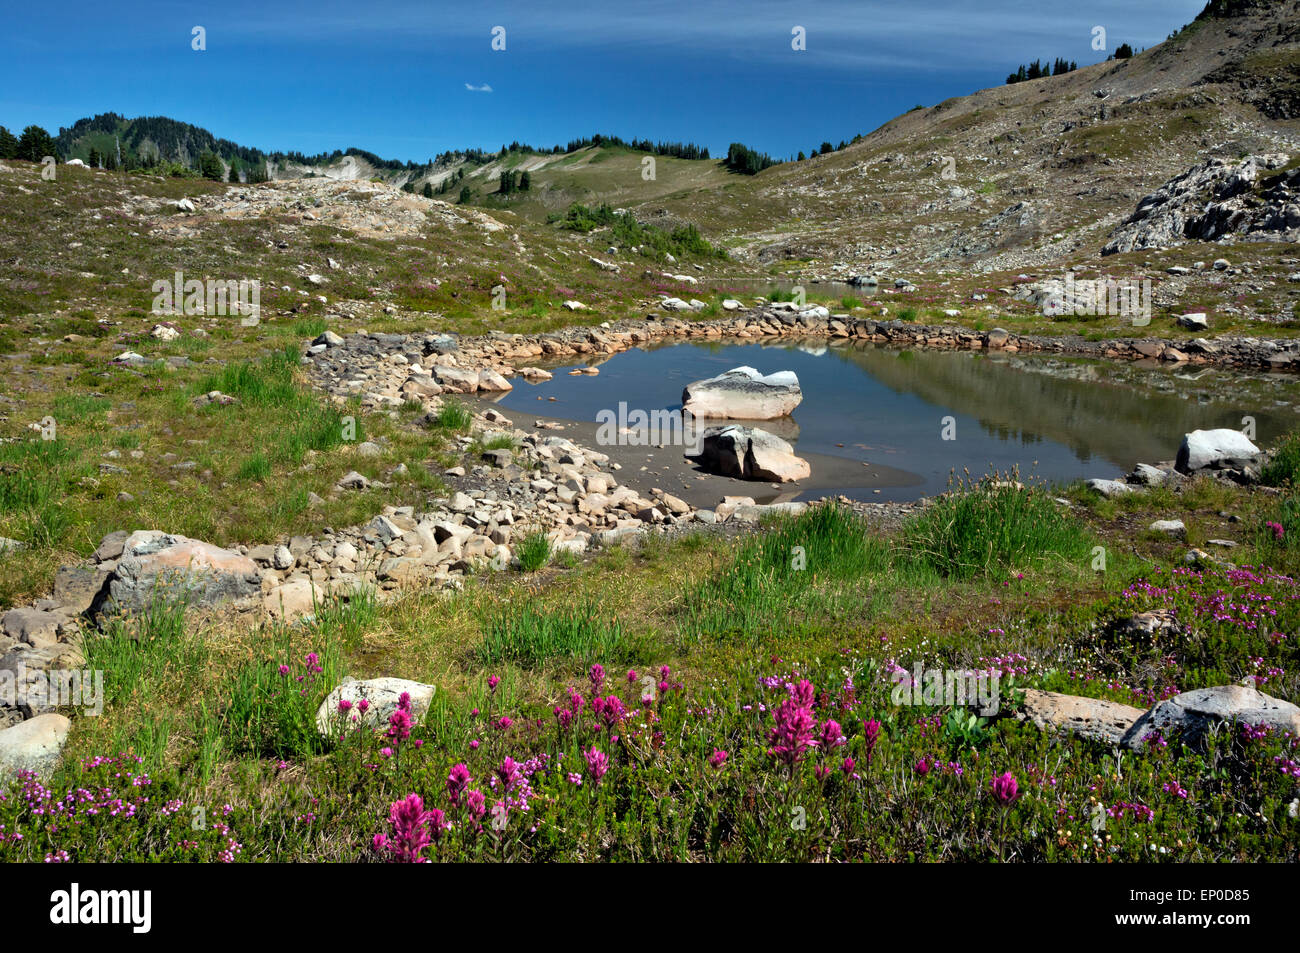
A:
(1026, 174)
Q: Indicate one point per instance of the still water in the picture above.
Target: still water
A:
(1054, 418)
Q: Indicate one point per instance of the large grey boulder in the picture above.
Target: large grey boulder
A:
(382, 694)
(1222, 449)
(748, 453)
(33, 745)
(201, 574)
(1193, 713)
(742, 393)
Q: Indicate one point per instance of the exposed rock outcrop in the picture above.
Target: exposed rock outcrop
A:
(1218, 197)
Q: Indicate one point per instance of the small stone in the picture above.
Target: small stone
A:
(1172, 528)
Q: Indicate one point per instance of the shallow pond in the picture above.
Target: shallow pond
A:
(873, 419)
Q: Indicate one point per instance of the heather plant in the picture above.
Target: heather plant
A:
(1228, 624)
(778, 760)
(111, 807)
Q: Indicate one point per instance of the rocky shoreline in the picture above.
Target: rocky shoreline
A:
(437, 364)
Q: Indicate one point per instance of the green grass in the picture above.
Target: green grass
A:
(498, 442)
(272, 701)
(453, 416)
(808, 573)
(1284, 467)
(985, 528)
(529, 635)
(534, 552)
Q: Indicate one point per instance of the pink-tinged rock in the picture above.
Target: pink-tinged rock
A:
(1092, 718)
(203, 574)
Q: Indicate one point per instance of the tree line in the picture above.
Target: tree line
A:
(33, 145)
(1038, 69)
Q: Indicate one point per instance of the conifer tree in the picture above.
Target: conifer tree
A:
(35, 144)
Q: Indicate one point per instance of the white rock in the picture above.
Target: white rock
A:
(1215, 449)
(742, 393)
(33, 745)
(382, 694)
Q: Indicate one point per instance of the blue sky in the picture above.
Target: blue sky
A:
(393, 77)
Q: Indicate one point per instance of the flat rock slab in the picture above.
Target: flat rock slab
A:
(31, 625)
(1093, 718)
(382, 694)
(753, 512)
(1109, 488)
(33, 745)
(80, 588)
(295, 598)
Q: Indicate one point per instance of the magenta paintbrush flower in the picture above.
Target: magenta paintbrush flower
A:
(793, 733)
(457, 781)
(718, 758)
(508, 772)
(597, 763)
(871, 733)
(410, 837)
(1005, 788)
(832, 736)
(613, 711)
(399, 723)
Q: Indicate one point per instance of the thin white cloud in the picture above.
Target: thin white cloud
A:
(485, 88)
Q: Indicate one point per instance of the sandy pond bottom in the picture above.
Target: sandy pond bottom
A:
(873, 420)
